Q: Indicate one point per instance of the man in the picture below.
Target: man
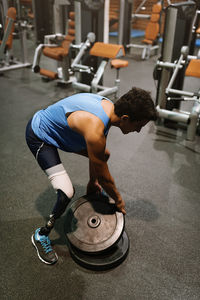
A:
(80, 124)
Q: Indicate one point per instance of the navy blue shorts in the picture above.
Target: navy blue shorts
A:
(46, 155)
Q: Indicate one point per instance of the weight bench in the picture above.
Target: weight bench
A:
(7, 60)
(150, 42)
(56, 47)
(108, 52)
(193, 68)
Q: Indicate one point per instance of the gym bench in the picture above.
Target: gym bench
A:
(7, 60)
(150, 42)
(56, 47)
(107, 52)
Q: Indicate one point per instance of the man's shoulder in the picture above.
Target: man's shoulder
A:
(84, 122)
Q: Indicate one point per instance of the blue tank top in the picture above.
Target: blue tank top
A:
(51, 126)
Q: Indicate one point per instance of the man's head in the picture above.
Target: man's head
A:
(135, 109)
(137, 104)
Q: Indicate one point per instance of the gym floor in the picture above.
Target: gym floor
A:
(157, 173)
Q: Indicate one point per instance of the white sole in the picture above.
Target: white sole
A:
(33, 242)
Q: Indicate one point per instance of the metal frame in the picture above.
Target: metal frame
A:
(95, 87)
(147, 49)
(3, 12)
(5, 37)
(53, 40)
(5, 63)
(189, 118)
(195, 19)
(106, 21)
(60, 13)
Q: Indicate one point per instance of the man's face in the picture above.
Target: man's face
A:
(127, 125)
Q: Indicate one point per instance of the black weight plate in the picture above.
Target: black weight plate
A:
(93, 223)
(109, 259)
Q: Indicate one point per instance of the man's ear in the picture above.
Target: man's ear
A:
(125, 117)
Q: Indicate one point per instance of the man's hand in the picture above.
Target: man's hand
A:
(121, 206)
(93, 187)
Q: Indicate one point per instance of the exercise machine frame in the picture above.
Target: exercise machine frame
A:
(95, 86)
(6, 63)
(191, 119)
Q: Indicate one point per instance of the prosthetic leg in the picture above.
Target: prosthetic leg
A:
(64, 190)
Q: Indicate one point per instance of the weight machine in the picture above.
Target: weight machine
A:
(105, 52)
(57, 48)
(152, 32)
(91, 62)
(7, 60)
(170, 68)
(91, 11)
(191, 119)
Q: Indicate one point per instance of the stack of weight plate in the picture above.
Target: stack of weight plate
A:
(95, 232)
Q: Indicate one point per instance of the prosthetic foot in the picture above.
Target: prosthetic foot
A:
(41, 240)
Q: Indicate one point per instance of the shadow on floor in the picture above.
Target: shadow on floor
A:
(45, 203)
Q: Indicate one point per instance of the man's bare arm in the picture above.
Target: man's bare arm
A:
(92, 128)
(96, 152)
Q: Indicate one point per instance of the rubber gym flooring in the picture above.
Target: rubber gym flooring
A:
(157, 173)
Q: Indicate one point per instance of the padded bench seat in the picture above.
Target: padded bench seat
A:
(107, 50)
(193, 68)
(118, 63)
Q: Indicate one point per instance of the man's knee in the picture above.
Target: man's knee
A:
(63, 187)
(60, 180)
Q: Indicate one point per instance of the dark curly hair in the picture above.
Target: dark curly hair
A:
(137, 104)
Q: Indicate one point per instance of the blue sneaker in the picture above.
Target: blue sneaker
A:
(42, 244)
